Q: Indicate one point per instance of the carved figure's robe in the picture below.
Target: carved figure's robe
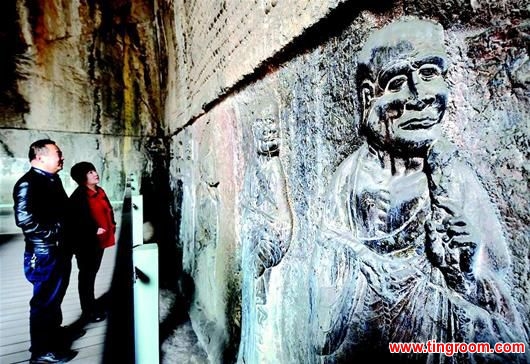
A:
(372, 282)
(266, 238)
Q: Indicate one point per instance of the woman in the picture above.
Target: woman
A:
(91, 230)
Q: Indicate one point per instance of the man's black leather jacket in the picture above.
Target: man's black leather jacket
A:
(40, 206)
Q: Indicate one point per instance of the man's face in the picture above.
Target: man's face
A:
(52, 160)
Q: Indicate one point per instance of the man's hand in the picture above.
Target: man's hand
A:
(101, 231)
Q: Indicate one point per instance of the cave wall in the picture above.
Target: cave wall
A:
(216, 167)
(92, 76)
(87, 75)
(182, 91)
(217, 45)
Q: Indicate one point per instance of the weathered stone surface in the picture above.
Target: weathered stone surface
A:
(267, 227)
(205, 170)
(86, 74)
(218, 44)
(174, 90)
(319, 120)
(410, 248)
(181, 344)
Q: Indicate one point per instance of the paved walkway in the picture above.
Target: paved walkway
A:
(15, 293)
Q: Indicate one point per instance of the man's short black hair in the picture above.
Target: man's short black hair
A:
(39, 147)
(80, 170)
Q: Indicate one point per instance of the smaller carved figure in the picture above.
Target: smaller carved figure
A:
(268, 206)
(268, 226)
(411, 248)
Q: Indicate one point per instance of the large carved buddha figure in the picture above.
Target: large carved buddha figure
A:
(411, 249)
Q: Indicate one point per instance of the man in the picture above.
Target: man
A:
(40, 203)
(411, 249)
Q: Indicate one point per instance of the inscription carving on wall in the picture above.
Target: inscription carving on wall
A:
(268, 224)
(410, 248)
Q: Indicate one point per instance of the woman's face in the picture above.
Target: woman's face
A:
(92, 178)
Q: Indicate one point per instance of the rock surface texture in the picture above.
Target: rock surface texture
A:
(318, 187)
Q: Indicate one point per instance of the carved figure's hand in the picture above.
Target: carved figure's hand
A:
(433, 245)
(461, 237)
(451, 246)
(267, 254)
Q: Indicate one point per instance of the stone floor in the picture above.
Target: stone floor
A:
(179, 346)
(15, 293)
(182, 347)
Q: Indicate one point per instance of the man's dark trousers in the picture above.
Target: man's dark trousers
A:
(48, 269)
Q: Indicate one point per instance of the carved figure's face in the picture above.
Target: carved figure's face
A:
(267, 136)
(404, 105)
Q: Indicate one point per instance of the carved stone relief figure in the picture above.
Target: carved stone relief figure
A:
(411, 247)
(206, 297)
(267, 220)
(184, 204)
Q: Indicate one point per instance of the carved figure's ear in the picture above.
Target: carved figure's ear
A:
(367, 94)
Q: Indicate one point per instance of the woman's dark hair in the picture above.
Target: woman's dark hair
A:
(80, 170)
